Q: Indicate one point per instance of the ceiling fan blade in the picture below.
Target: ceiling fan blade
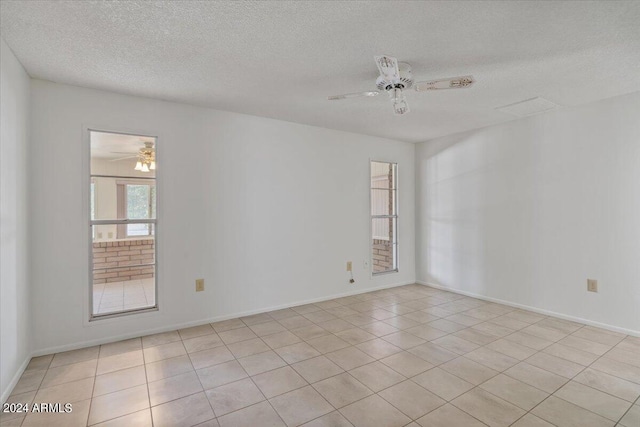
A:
(388, 67)
(353, 95)
(123, 158)
(450, 83)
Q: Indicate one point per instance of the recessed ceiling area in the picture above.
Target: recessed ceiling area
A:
(282, 59)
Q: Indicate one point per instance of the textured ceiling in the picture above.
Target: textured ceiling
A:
(281, 59)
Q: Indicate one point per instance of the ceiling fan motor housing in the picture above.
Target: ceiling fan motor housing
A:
(405, 82)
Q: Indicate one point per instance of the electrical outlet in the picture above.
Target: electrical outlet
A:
(199, 285)
(349, 266)
(592, 285)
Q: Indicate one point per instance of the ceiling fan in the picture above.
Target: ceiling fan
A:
(395, 77)
(146, 157)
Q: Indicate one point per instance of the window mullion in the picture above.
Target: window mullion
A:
(122, 221)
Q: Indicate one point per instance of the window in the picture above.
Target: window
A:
(384, 217)
(123, 224)
(136, 200)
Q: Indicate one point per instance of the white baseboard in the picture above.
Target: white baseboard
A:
(534, 309)
(7, 392)
(83, 344)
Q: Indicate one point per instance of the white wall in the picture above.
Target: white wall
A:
(14, 290)
(527, 211)
(268, 212)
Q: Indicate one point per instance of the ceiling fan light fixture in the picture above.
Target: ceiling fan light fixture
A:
(146, 158)
(400, 107)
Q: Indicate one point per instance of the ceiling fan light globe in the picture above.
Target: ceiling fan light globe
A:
(145, 168)
(397, 95)
(400, 107)
(152, 166)
(138, 166)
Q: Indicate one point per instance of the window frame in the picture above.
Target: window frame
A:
(92, 317)
(93, 207)
(395, 246)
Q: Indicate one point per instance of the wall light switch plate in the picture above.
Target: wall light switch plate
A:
(592, 285)
(349, 266)
(199, 285)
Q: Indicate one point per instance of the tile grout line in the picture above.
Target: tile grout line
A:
(95, 376)
(146, 378)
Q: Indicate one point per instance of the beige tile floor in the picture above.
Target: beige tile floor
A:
(127, 295)
(407, 356)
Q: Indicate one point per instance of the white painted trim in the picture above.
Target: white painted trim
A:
(534, 309)
(7, 392)
(91, 343)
